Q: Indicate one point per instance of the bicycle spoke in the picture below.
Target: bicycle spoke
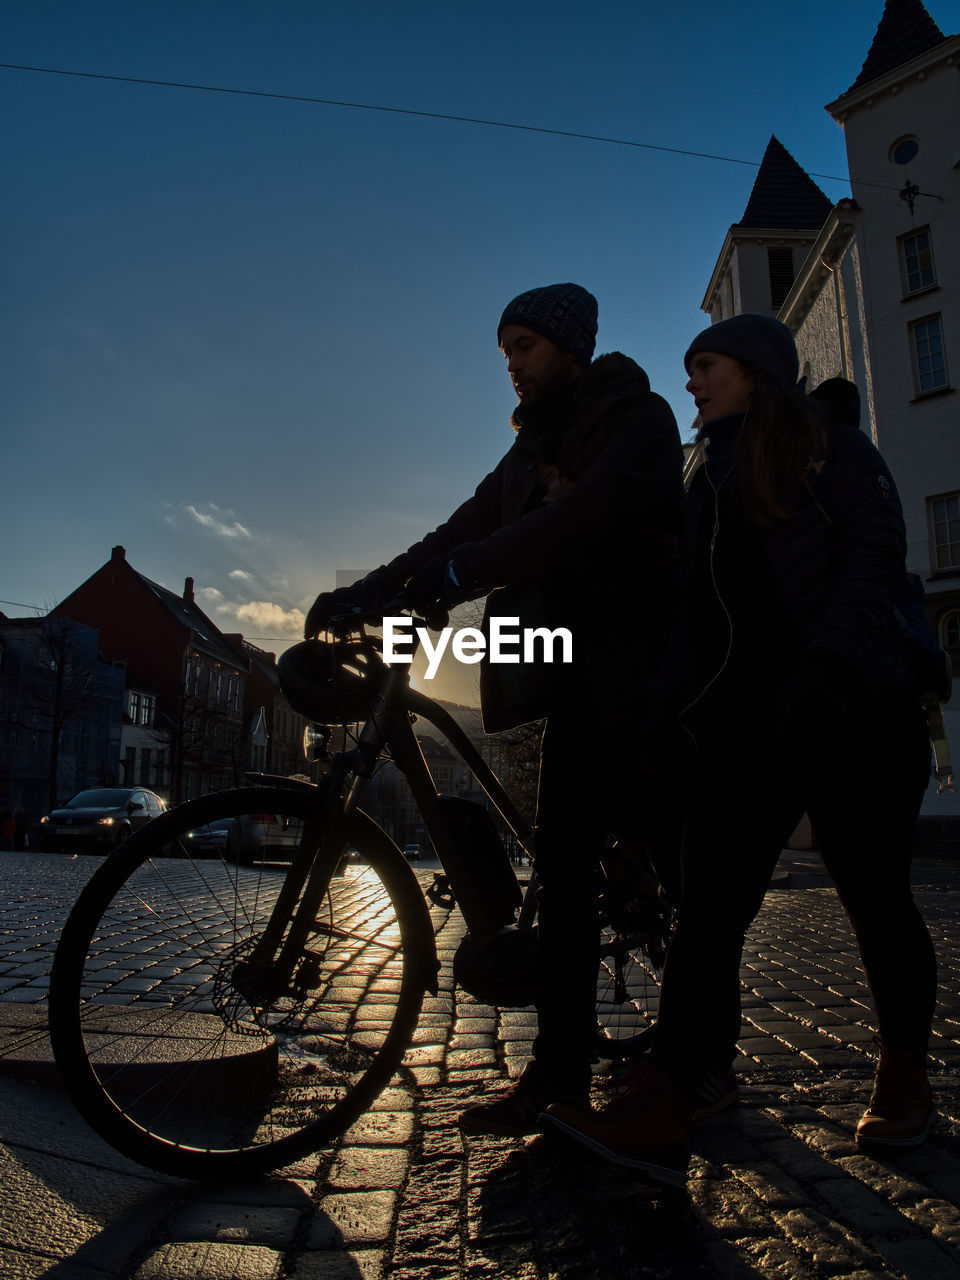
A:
(188, 1041)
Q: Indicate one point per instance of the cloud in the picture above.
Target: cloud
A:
(240, 575)
(215, 519)
(210, 593)
(270, 619)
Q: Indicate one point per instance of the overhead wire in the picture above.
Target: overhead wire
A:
(427, 115)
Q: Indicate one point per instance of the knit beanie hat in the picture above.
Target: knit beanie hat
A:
(564, 313)
(759, 341)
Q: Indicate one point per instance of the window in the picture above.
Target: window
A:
(780, 263)
(194, 679)
(945, 528)
(904, 150)
(929, 362)
(950, 632)
(148, 703)
(134, 708)
(916, 261)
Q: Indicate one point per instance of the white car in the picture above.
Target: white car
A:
(263, 837)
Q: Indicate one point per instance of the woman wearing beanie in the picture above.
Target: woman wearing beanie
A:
(786, 664)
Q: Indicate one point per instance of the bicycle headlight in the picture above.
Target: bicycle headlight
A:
(315, 739)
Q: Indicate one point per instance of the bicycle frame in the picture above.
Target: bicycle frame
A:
(388, 726)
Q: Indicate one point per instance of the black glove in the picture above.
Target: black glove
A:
(365, 598)
(439, 585)
(814, 708)
(425, 593)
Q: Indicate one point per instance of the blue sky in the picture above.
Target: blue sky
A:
(254, 341)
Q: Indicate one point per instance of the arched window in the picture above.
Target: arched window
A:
(950, 632)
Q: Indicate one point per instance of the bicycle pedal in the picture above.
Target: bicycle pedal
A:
(440, 893)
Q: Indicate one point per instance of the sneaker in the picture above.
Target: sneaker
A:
(648, 1128)
(515, 1111)
(716, 1090)
(901, 1109)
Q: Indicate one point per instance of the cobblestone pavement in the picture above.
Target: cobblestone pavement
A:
(777, 1186)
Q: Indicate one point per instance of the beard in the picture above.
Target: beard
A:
(550, 410)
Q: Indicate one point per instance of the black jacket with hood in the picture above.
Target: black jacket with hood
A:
(600, 558)
(835, 563)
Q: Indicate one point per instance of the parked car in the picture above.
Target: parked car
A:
(411, 852)
(262, 837)
(208, 841)
(99, 819)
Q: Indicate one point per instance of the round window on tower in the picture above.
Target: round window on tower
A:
(904, 150)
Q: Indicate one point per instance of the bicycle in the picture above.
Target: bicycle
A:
(211, 1017)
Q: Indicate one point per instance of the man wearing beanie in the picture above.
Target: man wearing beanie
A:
(599, 559)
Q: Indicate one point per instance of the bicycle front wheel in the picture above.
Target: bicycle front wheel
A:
(178, 1045)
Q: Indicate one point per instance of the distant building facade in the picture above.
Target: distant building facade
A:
(273, 730)
(871, 286)
(875, 291)
(61, 712)
(176, 654)
(145, 745)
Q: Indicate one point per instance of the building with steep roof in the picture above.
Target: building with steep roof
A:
(906, 31)
(763, 251)
(871, 286)
(172, 647)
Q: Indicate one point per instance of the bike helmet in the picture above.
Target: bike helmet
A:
(331, 681)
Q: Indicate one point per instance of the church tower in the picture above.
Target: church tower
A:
(763, 251)
(901, 123)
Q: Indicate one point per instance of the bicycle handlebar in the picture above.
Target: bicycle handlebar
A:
(353, 620)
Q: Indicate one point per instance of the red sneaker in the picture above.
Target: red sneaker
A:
(515, 1111)
(649, 1128)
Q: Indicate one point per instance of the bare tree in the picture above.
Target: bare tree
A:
(61, 688)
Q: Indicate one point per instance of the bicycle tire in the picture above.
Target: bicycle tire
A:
(166, 1047)
(628, 990)
(636, 925)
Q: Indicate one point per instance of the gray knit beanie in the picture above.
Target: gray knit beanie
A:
(758, 341)
(564, 313)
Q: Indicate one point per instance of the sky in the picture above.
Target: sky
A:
(253, 340)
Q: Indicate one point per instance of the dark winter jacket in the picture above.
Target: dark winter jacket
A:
(599, 557)
(836, 561)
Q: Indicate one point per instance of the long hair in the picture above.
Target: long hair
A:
(781, 437)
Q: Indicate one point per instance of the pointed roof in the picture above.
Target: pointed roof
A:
(784, 195)
(906, 31)
(189, 614)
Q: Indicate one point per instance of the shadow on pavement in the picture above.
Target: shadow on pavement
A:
(587, 1219)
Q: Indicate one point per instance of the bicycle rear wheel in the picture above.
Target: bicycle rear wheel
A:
(192, 1060)
(636, 923)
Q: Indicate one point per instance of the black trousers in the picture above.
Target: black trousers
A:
(862, 789)
(581, 789)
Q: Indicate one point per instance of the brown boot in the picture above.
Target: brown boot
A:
(649, 1129)
(901, 1109)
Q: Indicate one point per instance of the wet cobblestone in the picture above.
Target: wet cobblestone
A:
(777, 1187)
